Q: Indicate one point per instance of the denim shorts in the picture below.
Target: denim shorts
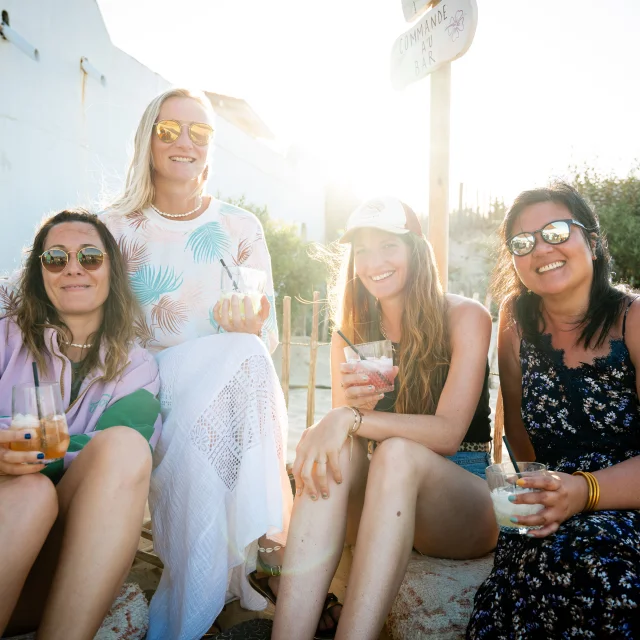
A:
(474, 461)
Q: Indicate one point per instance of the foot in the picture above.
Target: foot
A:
(273, 558)
(329, 618)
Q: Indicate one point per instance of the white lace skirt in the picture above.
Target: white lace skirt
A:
(219, 479)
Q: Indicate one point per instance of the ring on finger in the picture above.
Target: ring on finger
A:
(321, 461)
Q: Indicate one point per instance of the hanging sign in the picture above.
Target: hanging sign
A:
(443, 34)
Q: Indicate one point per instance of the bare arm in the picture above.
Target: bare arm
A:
(470, 333)
(620, 484)
(511, 384)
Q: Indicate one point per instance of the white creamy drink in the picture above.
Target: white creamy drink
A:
(254, 296)
(505, 509)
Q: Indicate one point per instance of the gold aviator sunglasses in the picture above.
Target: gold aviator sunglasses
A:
(169, 131)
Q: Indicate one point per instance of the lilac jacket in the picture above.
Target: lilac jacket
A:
(96, 395)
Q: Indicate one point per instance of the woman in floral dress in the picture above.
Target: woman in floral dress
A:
(219, 488)
(569, 348)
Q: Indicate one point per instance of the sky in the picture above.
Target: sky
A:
(546, 84)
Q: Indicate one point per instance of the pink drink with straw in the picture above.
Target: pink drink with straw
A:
(377, 363)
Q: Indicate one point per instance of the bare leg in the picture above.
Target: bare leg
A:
(314, 547)
(28, 509)
(414, 497)
(90, 550)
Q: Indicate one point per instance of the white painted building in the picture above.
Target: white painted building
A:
(65, 136)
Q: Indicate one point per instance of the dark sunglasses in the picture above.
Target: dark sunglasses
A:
(555, 232)
(89, 258)
(169, 131)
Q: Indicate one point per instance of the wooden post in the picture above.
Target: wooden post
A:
(286, 347)
(498, 429)
(311, 391)
(439, 169)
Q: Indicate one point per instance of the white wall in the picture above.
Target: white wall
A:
(288, 185)
(64, 137)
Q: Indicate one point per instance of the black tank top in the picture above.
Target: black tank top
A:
(480, 427)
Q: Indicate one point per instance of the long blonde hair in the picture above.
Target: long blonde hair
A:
(425, 351)
(139, 191)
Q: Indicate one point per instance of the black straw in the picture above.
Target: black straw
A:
(36, 381)
(350, 344)
(235, 284)
(513, 458)
(35, 374)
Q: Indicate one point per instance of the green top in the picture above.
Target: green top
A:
(139, 410)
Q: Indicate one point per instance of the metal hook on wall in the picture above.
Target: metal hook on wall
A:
(12, 36)
(91, 71)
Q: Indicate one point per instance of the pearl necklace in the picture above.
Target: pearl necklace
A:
(177, 215)
(79, 346)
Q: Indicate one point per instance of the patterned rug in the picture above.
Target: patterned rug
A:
(128, 618)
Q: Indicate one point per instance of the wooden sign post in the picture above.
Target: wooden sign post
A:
(440, 36)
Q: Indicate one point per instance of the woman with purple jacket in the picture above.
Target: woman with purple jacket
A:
(69, 531)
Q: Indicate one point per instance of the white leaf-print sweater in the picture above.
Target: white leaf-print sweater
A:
(175, 270)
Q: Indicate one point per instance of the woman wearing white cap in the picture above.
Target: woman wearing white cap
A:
(423, 485)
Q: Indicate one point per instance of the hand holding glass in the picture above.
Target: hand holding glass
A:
(242, 282)
(377, 363)
(28, 403)
(502, 480)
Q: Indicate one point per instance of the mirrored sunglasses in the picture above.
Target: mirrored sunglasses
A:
(89, 258)
(169, 131)
(555, 232)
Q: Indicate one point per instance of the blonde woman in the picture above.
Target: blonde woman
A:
(219, 488)
(423, 486)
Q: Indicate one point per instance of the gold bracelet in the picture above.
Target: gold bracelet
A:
(357, 421)
(594, 490)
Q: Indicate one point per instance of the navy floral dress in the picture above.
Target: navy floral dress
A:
(583, 581)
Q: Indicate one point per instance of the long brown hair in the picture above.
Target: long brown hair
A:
(425, 351)
(523, 307)
(34, 312)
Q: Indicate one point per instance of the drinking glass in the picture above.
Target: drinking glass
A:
(377, 363)
(502, 480)
(243, 282)
(40, 408)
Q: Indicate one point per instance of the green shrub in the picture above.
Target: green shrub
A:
(295, 274)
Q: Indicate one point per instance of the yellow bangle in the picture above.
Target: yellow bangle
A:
(594, 490)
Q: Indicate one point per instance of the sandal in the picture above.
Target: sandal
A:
(214, 630)
(256, 629)
(261, 585)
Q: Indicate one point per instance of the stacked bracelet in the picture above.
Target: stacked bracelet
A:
(357, 421)
(594, 490)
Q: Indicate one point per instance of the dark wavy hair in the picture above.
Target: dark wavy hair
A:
(34, 312)
(523, 307)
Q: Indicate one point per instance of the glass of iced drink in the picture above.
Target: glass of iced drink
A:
(40, 408)
(243, 282)
(377, 363)
(502, 480)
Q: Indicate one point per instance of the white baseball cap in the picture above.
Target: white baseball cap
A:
(386, 213)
